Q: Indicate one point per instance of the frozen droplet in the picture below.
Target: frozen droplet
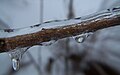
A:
(15, 64)
(81, 38)
(47, 43)
(16, 56)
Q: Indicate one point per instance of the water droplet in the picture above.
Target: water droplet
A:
(15, 64)
(81, 38)
(16, 56)
(47, 43)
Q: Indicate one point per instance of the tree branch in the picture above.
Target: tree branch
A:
(10, 43)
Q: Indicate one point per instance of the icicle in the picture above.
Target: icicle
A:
(16, 56)
(15, 64)
(81, 38)
(47, 43)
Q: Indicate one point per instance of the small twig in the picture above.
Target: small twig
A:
(99, 69)
(34, 62)
(10, 43)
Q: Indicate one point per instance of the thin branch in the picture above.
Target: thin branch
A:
(34, 62)
(39, 50)
(45, 35)
(99, 69)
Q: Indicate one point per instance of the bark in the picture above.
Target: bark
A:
(10, 43)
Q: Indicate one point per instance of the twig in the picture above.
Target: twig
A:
(10, 43)
(34, 62)
(39, 49)
(99, 69)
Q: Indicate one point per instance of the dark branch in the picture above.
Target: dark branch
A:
(10, 43)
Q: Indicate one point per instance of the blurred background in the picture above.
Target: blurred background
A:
(98, 55)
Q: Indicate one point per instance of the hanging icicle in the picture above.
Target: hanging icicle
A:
(16, 56)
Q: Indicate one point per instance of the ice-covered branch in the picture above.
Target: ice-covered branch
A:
(92, 23)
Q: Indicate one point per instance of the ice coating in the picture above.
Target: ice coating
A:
(16, 56)
(15, 64)
(58, 23)
(82, 37)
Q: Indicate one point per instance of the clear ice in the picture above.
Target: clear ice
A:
(47, 43)
(82, 37)
(58, 23)
(15, 64)
(16, 56)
